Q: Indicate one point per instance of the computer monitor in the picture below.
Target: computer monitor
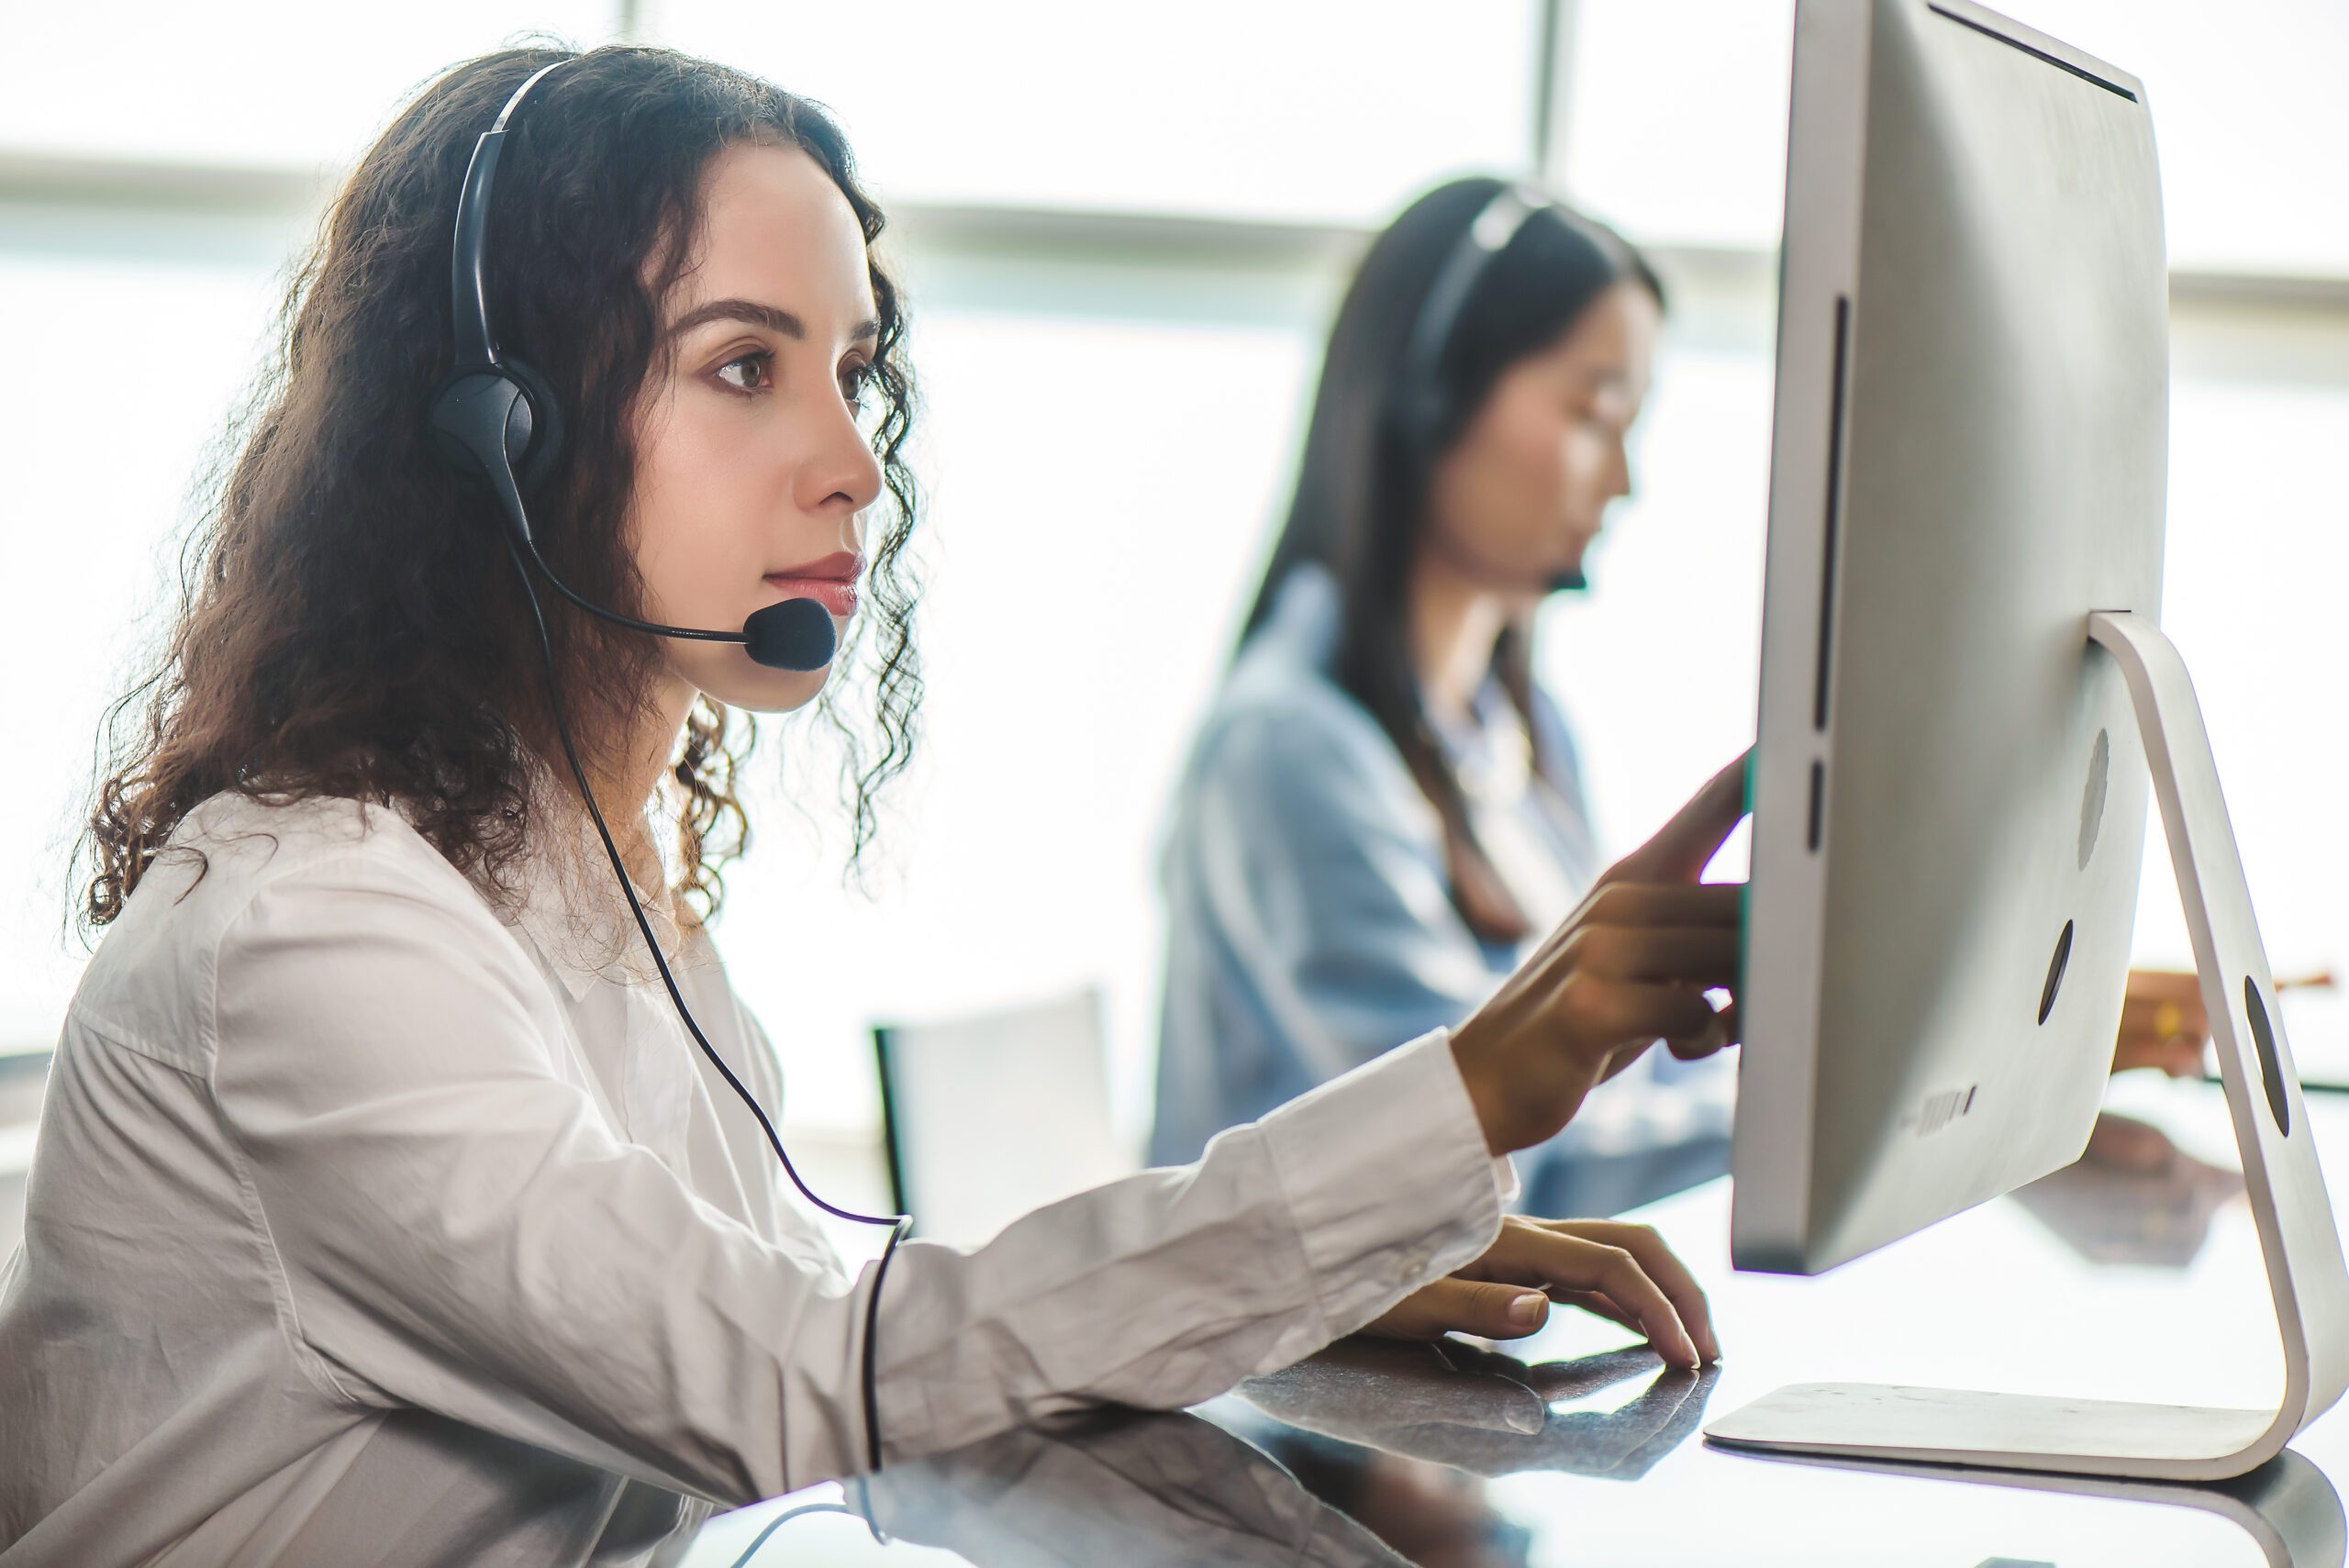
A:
(1969, 456)
(1963, 680)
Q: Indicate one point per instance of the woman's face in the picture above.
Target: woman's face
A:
(1515, 502)
(752, 471)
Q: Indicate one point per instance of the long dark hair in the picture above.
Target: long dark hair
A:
(348, 623)
(1362, 486)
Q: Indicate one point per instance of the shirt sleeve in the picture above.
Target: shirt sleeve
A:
(457, 1229)
(1322, 867)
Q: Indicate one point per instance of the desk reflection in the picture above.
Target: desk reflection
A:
(1401, 1437)
(1372, 1454)
(2134, 1197)
(1114, 1487)
(1487, 1413)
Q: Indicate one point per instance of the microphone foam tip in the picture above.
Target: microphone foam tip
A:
(794, 635)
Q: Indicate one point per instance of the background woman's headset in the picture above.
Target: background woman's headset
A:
(1421, 407)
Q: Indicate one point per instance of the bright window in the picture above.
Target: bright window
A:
(139, 343)
(1323, 110)
(1676, 120)
(279, 84)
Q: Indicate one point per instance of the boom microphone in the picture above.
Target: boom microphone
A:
(795, 634)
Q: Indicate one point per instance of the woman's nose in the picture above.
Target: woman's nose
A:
(844, 475)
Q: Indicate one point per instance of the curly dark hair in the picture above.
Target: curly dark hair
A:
(348, 624)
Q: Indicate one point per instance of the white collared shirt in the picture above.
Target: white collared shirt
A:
(364, 1226)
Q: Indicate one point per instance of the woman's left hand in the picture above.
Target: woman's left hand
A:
(2163, 1023)
(1623, 1273)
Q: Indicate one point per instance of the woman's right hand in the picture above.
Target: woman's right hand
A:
(1628, 968)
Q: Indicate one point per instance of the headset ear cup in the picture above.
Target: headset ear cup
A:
(471, 420)
(535, 449)
(1415, 421)
(1428, 411)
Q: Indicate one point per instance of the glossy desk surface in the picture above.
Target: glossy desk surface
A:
(2134, 1276)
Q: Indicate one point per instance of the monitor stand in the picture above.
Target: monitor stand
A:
(2305, 1272)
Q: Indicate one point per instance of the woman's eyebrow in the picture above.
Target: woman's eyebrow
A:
(773, 317)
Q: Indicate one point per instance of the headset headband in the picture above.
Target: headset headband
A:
(1487, 235)
(469, 259)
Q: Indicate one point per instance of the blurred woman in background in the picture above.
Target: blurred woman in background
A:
(1383, 805)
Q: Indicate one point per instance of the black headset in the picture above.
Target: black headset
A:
(1421, 405)
(497, 423)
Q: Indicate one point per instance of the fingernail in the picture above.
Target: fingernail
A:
(1528, 1309)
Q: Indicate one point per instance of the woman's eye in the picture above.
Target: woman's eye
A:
(749, 372)
(854, 380)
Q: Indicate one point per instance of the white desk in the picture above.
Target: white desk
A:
(1603, 1465)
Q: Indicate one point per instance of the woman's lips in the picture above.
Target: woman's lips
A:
(831, 582)
(835, 594)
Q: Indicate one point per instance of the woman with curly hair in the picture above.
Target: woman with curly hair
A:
(405, 1189)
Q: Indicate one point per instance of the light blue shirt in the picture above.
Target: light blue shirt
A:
(1311, 927)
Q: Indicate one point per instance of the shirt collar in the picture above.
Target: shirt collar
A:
(559, 895)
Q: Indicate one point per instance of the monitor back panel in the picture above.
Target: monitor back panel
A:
(1969, 456)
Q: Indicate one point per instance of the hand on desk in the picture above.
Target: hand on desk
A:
(2134, 1197)
(1623, 1272)
(1628, 967)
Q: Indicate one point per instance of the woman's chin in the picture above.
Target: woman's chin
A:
(727, 675)
(762, 690)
